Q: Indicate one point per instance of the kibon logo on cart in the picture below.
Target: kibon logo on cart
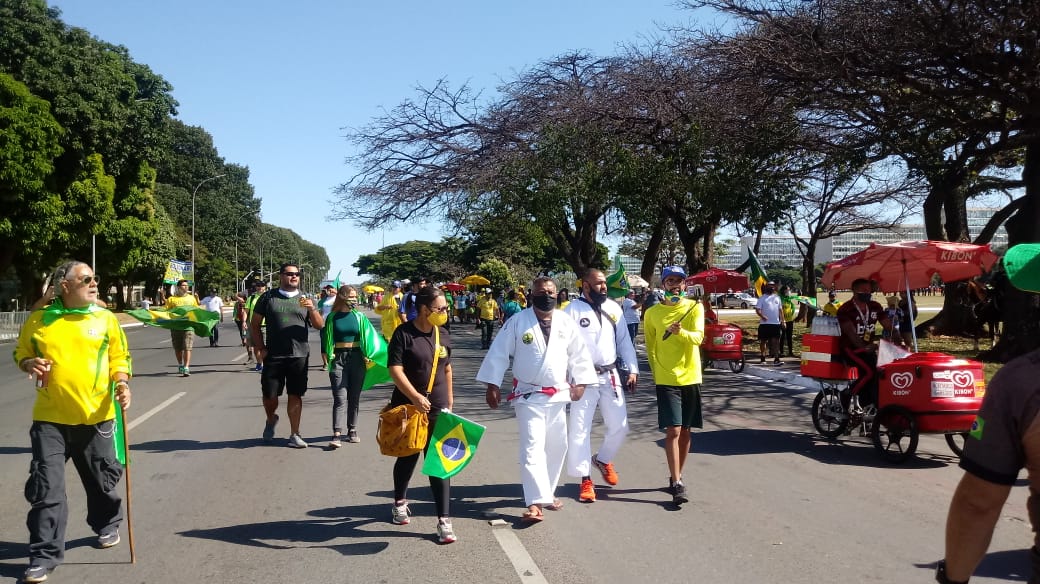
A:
(901, 383)
(953, 383)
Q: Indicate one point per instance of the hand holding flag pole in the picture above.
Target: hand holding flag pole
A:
(668, 333)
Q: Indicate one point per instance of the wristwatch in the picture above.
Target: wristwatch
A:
(940, 574)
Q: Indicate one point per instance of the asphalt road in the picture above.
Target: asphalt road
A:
(770, 500)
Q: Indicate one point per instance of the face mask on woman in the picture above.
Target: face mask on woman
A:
(437, 318)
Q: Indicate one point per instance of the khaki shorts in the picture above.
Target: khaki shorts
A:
(182, 340)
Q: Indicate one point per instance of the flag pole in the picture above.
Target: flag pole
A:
(129, 499)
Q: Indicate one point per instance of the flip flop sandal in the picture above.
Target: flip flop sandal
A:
(556, 505)
(532, 517)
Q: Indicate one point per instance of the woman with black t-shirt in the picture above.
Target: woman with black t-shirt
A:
(410, 360)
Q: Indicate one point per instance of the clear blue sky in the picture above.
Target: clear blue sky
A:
(276, 83)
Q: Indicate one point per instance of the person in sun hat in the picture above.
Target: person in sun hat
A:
(1004, 439)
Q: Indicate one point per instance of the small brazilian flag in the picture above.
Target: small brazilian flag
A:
(617, 282)
(452, 445)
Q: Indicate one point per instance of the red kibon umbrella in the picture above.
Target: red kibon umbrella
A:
(453, 287)
(718, 280)
(910, 264)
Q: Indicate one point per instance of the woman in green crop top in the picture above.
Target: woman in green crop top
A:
(347, 363)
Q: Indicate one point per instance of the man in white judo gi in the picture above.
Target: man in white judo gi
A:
(551, 366)
(605, 332)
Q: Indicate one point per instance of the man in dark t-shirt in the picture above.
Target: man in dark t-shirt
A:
(288, 314)
(857, 319)
(1004, 439)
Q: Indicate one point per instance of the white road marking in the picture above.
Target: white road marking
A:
(239, 358)
(155, 410)
(522, 561)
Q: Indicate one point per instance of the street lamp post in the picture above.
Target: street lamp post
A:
(194, 270)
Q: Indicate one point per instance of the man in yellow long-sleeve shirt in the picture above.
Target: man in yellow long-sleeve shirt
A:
(76, 351)
(674, 330)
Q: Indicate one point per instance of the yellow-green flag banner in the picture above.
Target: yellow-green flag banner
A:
(452, 445)
(617, 283)
(119, 430)
(181, 318)
(758, 274)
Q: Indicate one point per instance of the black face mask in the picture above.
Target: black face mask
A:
(596, 297)
(543, 302)
(863, 296)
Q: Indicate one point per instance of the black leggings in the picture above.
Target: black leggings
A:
(405, 467)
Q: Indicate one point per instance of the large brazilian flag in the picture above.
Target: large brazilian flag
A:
(452, 445)
(181, 318)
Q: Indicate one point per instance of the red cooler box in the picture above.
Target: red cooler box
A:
(723, 342)
(821, 359)
(942, 391)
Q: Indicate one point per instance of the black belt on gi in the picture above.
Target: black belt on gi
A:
(605, 368)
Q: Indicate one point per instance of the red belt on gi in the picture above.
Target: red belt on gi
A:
(515, 393)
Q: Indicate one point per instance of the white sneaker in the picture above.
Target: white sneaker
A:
(445, 534)
(295, 441)
(400, 514)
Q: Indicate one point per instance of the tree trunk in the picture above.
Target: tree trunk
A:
(809, 269)
(653, 249)
(955, 319)
(932, 210)
(1021, 310)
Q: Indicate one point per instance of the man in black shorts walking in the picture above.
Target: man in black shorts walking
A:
(288, 315)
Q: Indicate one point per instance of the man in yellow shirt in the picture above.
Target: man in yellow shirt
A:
(831, 308)
(182, 340)
(388, 309)
(488, 312)
(674, 330)
(76, 352)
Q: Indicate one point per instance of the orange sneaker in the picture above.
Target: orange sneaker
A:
(607, 470)
(588, 492)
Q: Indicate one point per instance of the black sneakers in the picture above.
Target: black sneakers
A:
(678, 491)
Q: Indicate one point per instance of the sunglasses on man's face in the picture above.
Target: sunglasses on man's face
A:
(86, 280)
(291, 274)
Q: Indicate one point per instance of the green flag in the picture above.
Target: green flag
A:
(758, 275)
(119, 430)
(617, 283)
(452, 445)
(181, 318)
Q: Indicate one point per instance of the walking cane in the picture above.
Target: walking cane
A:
(129, 499)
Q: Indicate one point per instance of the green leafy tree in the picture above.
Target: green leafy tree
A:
(30, 138)
(400, 260)
(497, 272)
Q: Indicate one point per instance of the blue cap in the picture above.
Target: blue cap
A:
(397, 284)
(669, 271)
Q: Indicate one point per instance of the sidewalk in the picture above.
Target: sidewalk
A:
(788, 370)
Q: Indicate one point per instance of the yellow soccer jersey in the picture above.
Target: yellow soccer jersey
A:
(86, 351)
(677, 359)
(186, 300)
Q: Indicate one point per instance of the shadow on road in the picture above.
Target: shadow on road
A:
(740, 441)
(334, 524)
(158, 446)
(1012, 565)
